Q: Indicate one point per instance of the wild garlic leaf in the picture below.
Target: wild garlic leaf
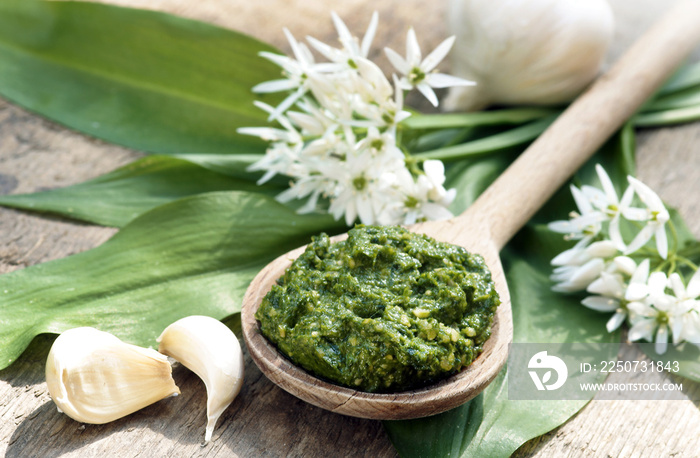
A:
(118, 197)
(143, 79)
(194, 256)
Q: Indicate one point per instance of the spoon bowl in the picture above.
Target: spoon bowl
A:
(422, 402)
(491, 221)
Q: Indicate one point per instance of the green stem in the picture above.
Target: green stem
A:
(493, 143)
(674, 236)
(687, 262)
(667, 117)
(483, 118)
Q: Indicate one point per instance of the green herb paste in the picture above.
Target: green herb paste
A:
(385, 310)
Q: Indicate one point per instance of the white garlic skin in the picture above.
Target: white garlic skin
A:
(93, 377)
(211, 350)
(536, 52)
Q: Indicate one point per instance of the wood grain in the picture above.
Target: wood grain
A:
(264, 420)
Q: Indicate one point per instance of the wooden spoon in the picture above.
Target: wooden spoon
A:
(491, 221)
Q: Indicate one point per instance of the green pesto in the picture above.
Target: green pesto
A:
(386, 310)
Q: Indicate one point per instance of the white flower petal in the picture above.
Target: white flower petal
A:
(343, 31)
(601, 249)
(661, 342)
(677, 330)
(582, 202)
(364, 209)
(615, 234)
(572, 256)
(641, 273)
(657, 283)
(636, 292)
(609, 285)
(275, 86)
(596, 197)
(635, 214)
(397, 61)
(413, 54)
(627, 197)
(625, 264)
(441, 80)
(587, 273)
(369, 34)
(600, 303)
(607, 184)
(437, 55)
(649, 197)
(640, 309)
(428, 92)
(693, 289)
(615, 321)
(661, 241)
(674, 280)
(640, 240)
(327, 51)
(643, 329)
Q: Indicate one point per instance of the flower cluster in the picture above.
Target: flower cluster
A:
(637, 283)
(338, 130)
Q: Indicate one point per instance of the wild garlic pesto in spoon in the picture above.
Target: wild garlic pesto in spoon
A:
(490, 222)
(384, 310)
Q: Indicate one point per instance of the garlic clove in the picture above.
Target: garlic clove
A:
(208, 348)
(540, 52)
(93, 377)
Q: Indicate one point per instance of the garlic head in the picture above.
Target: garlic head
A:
(93, 377)
(526, 51)
(208, 348)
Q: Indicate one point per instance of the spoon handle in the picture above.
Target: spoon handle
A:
(587, 123)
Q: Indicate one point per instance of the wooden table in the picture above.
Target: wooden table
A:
(265, 421)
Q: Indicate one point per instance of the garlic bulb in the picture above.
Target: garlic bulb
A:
(209, 349)
(526, 51)
(93, 377)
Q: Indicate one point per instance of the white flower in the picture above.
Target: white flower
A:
(352, 48)
(656, 215)
(580, 253)
(416, 202)
(337, 138)
(611, 291)
(296, 71)
(584, 225)
(638, 288)
(655, 316)
(361, 186)
(418, 72)
(683, 292)
(608, 203)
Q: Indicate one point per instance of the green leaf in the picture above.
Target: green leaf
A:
(681, 99)
(687, 76)
(116, 198)
(143, 79)
(471, 177)
(192, 256)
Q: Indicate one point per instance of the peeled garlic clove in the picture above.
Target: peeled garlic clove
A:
(208, 348)
(526, 51)
(93, 377)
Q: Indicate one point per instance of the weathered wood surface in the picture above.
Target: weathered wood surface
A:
(265, 421)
